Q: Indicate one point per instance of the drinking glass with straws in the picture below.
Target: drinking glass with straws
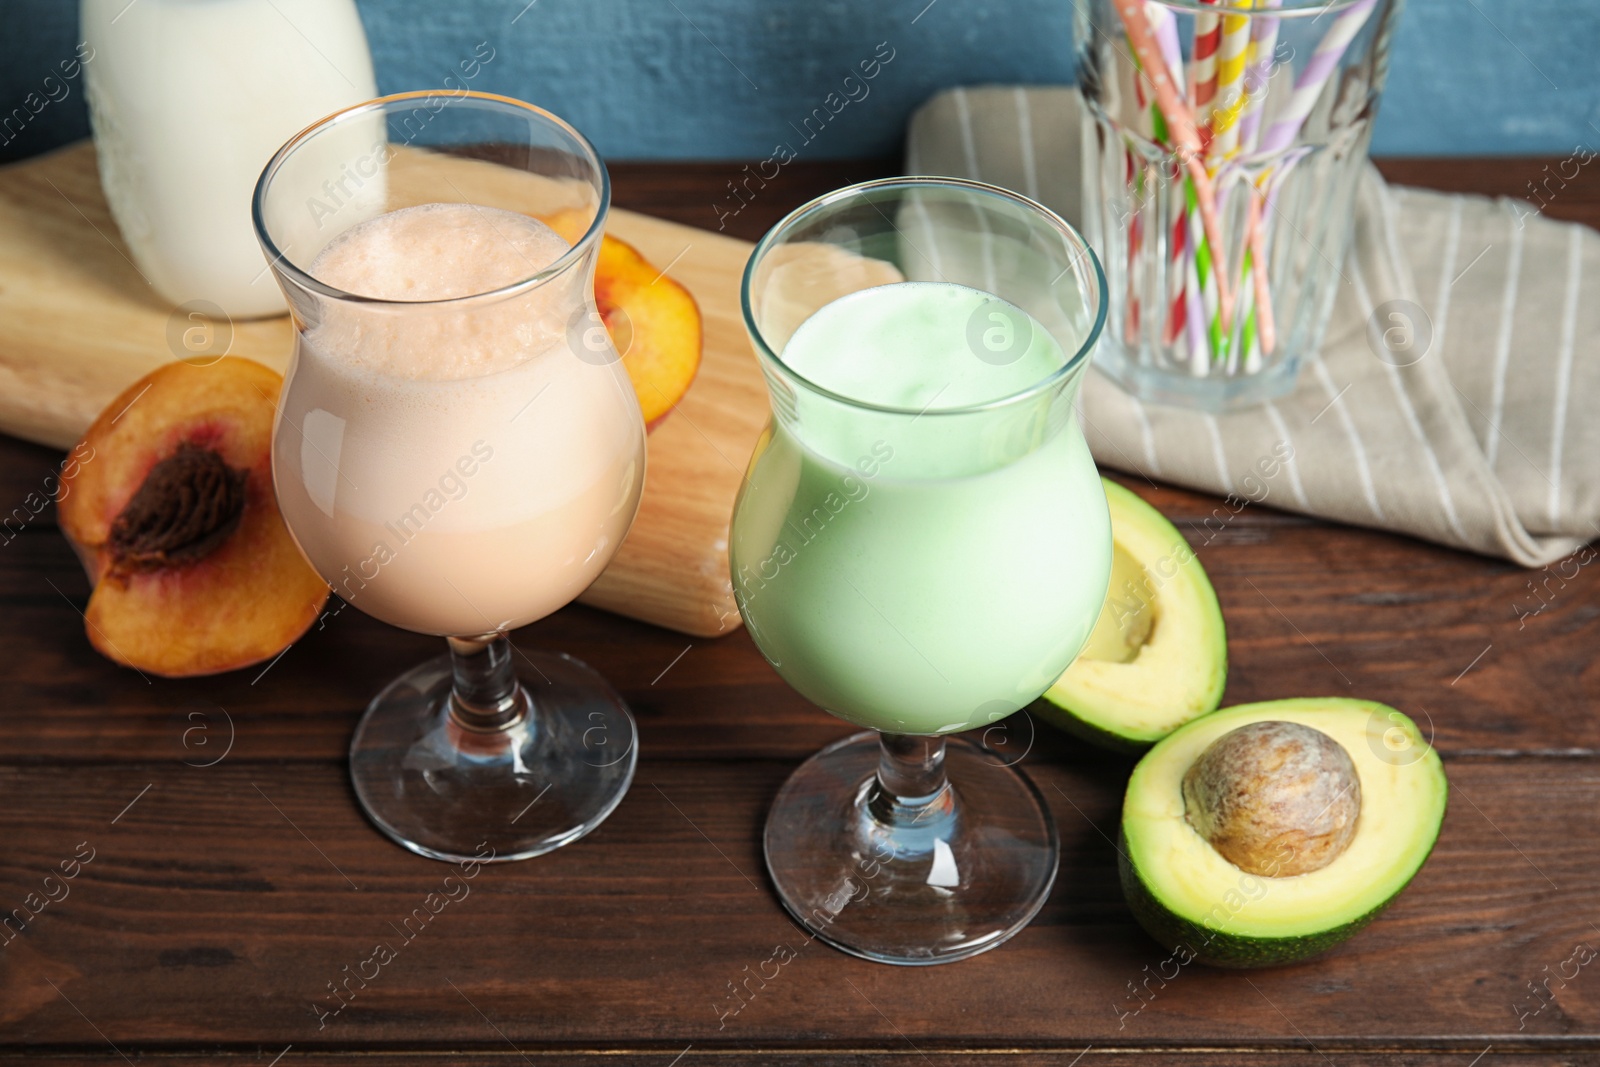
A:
(1223, 144)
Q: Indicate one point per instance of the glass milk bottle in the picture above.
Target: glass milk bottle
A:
(188, 100)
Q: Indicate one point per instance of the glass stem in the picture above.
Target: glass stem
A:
(911, 786)
(485, 695)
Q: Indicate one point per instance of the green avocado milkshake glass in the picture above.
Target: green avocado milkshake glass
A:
(921, 546)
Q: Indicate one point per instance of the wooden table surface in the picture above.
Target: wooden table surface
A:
(230, 885)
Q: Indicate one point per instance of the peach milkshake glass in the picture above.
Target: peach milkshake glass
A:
(458, 450)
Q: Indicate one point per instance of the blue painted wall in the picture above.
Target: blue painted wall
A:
(724, 79)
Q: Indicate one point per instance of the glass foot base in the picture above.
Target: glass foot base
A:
(452, 793)
(1216, 393)
(957, 878)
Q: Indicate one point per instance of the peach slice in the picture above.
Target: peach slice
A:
(174, 517)
(652, 319)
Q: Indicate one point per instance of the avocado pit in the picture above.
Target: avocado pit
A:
(186, 507)
(1276, 799)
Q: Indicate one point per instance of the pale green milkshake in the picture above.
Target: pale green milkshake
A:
(916, 553)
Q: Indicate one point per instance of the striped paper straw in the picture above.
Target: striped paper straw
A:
(1230, 86)
(1209, 278)
(1257, 76)
(1309, 85)
(1135, 240)
(1203, 64)
(1177, 276)
(1263, 204)
(1195, 319)
(1165, 26)
(1256, 238)
(1181, 124)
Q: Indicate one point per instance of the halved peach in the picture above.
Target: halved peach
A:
(176, 522)
(653, 320)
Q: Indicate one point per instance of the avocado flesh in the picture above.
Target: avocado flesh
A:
(1158, 655)
(1127, 616)
(1192, 900)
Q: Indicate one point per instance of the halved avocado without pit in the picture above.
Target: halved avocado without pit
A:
(1158, 655)
(1267, 833)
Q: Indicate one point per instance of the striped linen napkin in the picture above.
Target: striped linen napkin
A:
(1488, 442)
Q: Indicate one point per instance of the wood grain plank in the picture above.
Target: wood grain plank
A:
(691, 193)
(745, 1056)
(1536, 183)
(206, 924)
(697, 194)
(694, 1056)
(218, 907)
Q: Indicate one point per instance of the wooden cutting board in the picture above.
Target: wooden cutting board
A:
(80, 325)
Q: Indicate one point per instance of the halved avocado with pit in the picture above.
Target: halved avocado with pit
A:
(1158, 655)
(1203, 905)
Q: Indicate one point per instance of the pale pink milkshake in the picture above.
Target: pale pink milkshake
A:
(451, 462)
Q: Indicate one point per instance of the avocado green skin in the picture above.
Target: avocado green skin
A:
(1218, 948)
(1084, 730)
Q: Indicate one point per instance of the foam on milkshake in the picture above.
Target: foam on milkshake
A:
(441, 252)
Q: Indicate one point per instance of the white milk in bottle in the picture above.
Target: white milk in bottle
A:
(188, 100)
